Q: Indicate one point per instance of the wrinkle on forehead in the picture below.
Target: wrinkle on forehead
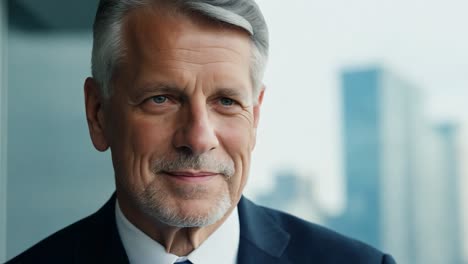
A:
(155, 30)
(157, 43)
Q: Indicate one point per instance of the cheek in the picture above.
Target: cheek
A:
(136, 142)
(145, 135)
(237, 132)
(142, 135)
(129, 137)
(237, 137)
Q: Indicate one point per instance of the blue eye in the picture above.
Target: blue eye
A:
(226, 101)
(159, 99)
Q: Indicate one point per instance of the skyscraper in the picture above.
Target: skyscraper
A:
(435, 205)
(382, 117)
(463, 184)
(401, 172)
(449, 160)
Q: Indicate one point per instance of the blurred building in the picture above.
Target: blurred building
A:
(398, 171)
(293, 194)
(437, 205)
(463, 185)
(381, 114)
(450, 211)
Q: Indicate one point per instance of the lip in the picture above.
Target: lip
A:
(192, 176)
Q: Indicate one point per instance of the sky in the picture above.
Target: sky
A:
(422, 42)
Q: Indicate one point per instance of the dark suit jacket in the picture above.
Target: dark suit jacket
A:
(266, 236)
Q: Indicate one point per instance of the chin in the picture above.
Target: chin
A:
(187, 212)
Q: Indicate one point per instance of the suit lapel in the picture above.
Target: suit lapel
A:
(102, 244)
(262, 240)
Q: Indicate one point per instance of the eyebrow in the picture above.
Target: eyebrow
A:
(179, 92)
(159, 87)
(164, 88)
(230, 92)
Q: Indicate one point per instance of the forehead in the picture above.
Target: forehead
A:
(171, 49)
(160, 29)
(163, 44)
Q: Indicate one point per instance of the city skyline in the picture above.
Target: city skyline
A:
(317, 40)
(402, 172)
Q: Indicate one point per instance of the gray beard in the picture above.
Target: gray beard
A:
(153, 201)
(155, 206)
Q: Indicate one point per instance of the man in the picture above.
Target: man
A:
(176, 95)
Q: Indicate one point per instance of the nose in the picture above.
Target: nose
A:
(196, 134)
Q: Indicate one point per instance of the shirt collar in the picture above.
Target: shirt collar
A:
(219, 247)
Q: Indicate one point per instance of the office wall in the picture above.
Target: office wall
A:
(55, 176)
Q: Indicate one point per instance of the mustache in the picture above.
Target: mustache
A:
(194, 162)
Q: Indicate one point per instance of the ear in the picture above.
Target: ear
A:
(258, 105)
(94, 104)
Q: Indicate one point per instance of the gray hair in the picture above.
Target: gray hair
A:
(108, 46)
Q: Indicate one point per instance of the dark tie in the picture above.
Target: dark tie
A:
(184, 262)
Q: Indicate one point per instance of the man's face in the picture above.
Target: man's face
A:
(181, 121)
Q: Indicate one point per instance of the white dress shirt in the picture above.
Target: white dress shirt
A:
(219, 247)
